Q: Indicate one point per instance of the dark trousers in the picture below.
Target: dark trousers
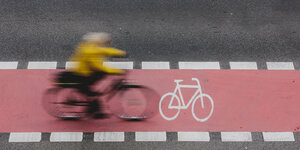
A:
(84, 82)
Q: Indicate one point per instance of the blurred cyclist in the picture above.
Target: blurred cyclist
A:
(90, 55)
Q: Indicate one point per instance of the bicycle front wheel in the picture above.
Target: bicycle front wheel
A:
(135, 102)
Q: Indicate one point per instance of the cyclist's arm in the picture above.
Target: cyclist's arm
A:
(101, 67)
(108, 51)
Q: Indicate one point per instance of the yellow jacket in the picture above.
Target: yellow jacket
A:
(90, 57)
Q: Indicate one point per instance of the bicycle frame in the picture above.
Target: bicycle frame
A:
(178, 88)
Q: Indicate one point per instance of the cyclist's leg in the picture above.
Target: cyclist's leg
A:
(95, 78)
(91, 80)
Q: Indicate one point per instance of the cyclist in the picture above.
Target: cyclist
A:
(90, 55)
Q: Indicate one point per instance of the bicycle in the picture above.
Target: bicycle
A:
(132, 101)
(198, 95)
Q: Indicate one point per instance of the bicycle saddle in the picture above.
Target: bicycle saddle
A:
(177, 81)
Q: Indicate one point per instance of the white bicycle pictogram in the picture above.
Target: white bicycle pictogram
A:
(198, 95)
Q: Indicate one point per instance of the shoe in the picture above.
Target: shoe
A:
(101, 116)
(93, 107)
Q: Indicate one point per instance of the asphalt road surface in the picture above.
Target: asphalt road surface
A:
(200, 30)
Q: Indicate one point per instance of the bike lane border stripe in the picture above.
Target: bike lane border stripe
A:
(42, 65)
(280, 66)
(236, 136)
(120, 65)
(109, 137)
(155, 65)
(70, 64)
(66, 136)
(8, 65)
(193, 136)
(182, 137)
(25, 137)
(278, 136)
(198, 65)
(243, 65)
(150, 136)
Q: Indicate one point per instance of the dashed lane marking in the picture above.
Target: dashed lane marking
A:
(70, 64)
(193, 136)
(66, 137)
(243, 65)
(236, 136)
(150, 136)
(155, 65)
(41, 65)
(199, 65)
(280, 65)
(109, 137)
(120, 65)
(25, 137)
(278, 136)
(9, 65)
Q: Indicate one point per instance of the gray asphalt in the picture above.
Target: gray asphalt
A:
(153, 30)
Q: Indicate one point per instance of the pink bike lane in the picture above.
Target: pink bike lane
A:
(244, 100)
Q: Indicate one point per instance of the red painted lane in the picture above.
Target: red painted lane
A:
(258, 100)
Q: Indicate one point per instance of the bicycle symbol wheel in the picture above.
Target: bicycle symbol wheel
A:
(207, 107)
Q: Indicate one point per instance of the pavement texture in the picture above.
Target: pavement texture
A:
(206, 30)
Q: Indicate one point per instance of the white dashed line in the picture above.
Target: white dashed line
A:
(236, 136)
(25, 137)
(66, 137)
(41, 65)
(243, 65)
(278, 136)
(155, 65)
(109, 137)
(199, 65)
(193, 136)
(70, 64)
(9, 65)
(150, 136)
(120, 65)
(280, 65)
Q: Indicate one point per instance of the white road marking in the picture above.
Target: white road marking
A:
(280, 66)
(109, 137)
(66, 137)
(150, 136)
(193, 136)
(236, 136)
(8, 65)
(199, 65)
(70, 64)
(41, 65)
(278, 136)
(243, 65)
(25, 137)
(155, 65)
(120, 65)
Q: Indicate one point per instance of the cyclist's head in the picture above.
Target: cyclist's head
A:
(101, 38)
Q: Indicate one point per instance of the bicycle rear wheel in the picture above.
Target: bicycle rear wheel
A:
(65, 103)
(135, 102)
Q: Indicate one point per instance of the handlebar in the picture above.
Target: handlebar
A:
(195, 79)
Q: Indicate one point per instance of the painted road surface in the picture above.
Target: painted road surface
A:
(250, 100)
